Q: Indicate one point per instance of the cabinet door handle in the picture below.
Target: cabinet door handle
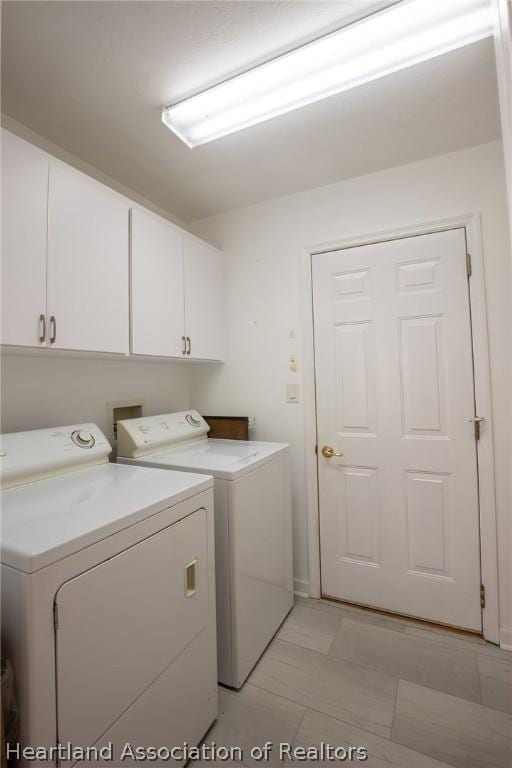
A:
(184, 345)
(191, 578)
(53, 329)
(189, 348)
(42, 328)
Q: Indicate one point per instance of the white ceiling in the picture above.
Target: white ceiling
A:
(92, 77)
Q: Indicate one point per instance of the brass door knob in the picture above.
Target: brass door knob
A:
(329, 452)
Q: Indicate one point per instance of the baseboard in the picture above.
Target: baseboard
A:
(301, 587)
(506, 639)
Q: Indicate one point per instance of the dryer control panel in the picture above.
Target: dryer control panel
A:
(40, 453)
(138, 437)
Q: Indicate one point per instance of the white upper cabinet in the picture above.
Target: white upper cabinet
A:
(24, 208)
(156, 286)
(68, 281)
(88, 264)
(204, 300)
(177, 291)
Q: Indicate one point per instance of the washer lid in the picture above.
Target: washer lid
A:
(226, 459)
(51, 519)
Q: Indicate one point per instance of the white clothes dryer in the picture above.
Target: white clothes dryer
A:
(108, 595)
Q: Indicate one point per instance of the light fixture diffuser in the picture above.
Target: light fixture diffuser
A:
(407, 33)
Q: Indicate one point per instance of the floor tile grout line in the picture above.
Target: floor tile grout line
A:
(480, 688)
(376, 669)
(371, 669)
(371, 733)
(335, 636)
(301, 645)
(298, 644)
(413, 682)
(337, 659)
(394, 710)
(299, 726)
(361, 728)
(325, 714)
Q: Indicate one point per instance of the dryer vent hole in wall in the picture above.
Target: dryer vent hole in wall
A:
(125, 411)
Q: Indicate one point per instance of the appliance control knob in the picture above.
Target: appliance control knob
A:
(83, 439)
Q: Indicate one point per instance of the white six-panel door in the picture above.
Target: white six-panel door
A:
(399, 526)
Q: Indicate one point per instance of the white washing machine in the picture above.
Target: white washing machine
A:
(253, 526)
(108, 595)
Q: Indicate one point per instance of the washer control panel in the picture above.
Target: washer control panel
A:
(138, 437)
(83, 439)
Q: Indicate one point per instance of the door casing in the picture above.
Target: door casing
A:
(488, 528)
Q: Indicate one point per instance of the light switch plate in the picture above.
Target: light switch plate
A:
(292, 393)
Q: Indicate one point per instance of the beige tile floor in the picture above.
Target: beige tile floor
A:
(414, 696)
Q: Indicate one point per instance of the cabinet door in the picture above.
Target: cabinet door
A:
(88, 263)
(204, 299)
(24, 210)
(156, 286)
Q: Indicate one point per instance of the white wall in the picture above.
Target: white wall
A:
(263, 244)
(48, 390)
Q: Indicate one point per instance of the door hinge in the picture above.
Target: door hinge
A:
(468, 264)
(55, 616)
(477, 420)
(482, 596)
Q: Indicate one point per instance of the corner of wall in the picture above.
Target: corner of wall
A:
(506, 639)
(301, 587)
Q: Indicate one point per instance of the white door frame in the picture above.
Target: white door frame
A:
(485, 452)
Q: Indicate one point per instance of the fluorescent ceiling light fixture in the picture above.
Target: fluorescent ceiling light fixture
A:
(407, 33)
